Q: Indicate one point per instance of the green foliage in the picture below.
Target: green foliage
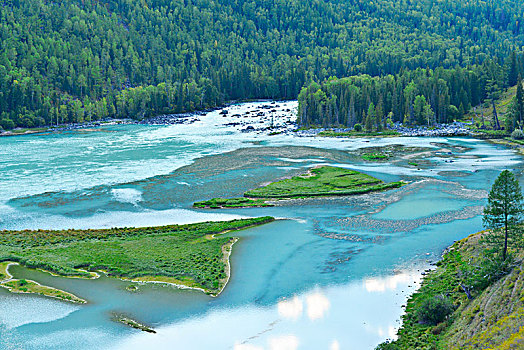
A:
(481, 273)
(355, 133)
(319, 182)
(420, 96)
(503, 213)
(7, 124)
(185, 252)
(358, 127)
(434, 310)
(323, 181)
(445, 298)
(388, 345)
(374, 156)
(68, 61)
(519, 104)
(241, 202)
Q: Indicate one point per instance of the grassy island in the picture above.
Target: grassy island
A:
(489, 316)
(375, 156)
(241, 202)
(31, 287)
(324, 181)
(193, 255)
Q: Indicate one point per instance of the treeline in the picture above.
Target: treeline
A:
(76, 60)
(412, 97)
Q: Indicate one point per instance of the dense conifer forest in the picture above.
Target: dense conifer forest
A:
(413, 97)
(77, 60)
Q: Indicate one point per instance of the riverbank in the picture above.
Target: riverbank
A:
(396, 130)
(267, 111)
(65, 127)
(484, 313)
(194, 256)
(24, 286)
(321, 181)
(517, 145)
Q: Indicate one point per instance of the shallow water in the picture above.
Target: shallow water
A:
(332, 274)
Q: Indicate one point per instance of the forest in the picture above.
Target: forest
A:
(413, 97)
(84, 60)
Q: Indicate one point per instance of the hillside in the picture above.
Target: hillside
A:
(492, 319)
(78, 60)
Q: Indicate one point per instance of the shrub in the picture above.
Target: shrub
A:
(387, 345)
(434, 310)
(517, 134)
(439, 328)
(358, 127)
(476, 278)
(7, 124)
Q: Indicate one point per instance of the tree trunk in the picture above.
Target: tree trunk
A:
(468, 294)
(505, 237)
(495, 115)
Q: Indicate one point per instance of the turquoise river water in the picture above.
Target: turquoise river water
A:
(332, 274)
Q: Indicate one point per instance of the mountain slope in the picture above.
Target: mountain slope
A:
(492, 319)
(79, 60)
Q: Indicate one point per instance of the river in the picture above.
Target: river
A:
(332, 274)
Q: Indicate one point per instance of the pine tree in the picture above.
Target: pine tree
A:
(520, 102)
(513, 73)
(503, 213)
(370, 116)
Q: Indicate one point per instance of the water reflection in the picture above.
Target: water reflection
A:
(317, 305)
(285, 342)
(316, 319)
(290, 309)
(390, 282)
(334, 345)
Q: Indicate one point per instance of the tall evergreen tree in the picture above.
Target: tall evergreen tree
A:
(513, 71)
(519, 101)
(503, 213)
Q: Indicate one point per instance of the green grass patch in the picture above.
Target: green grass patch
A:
(189, 253)
(242, 202)
(32, 287)
(322, 182)
(487, 133)
(375, 156)
(519, 142)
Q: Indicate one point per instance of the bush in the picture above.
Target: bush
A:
(517, 134)
(7, 124)
(434, 310)
(387, 345)
(476, 278)
(358, 127)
